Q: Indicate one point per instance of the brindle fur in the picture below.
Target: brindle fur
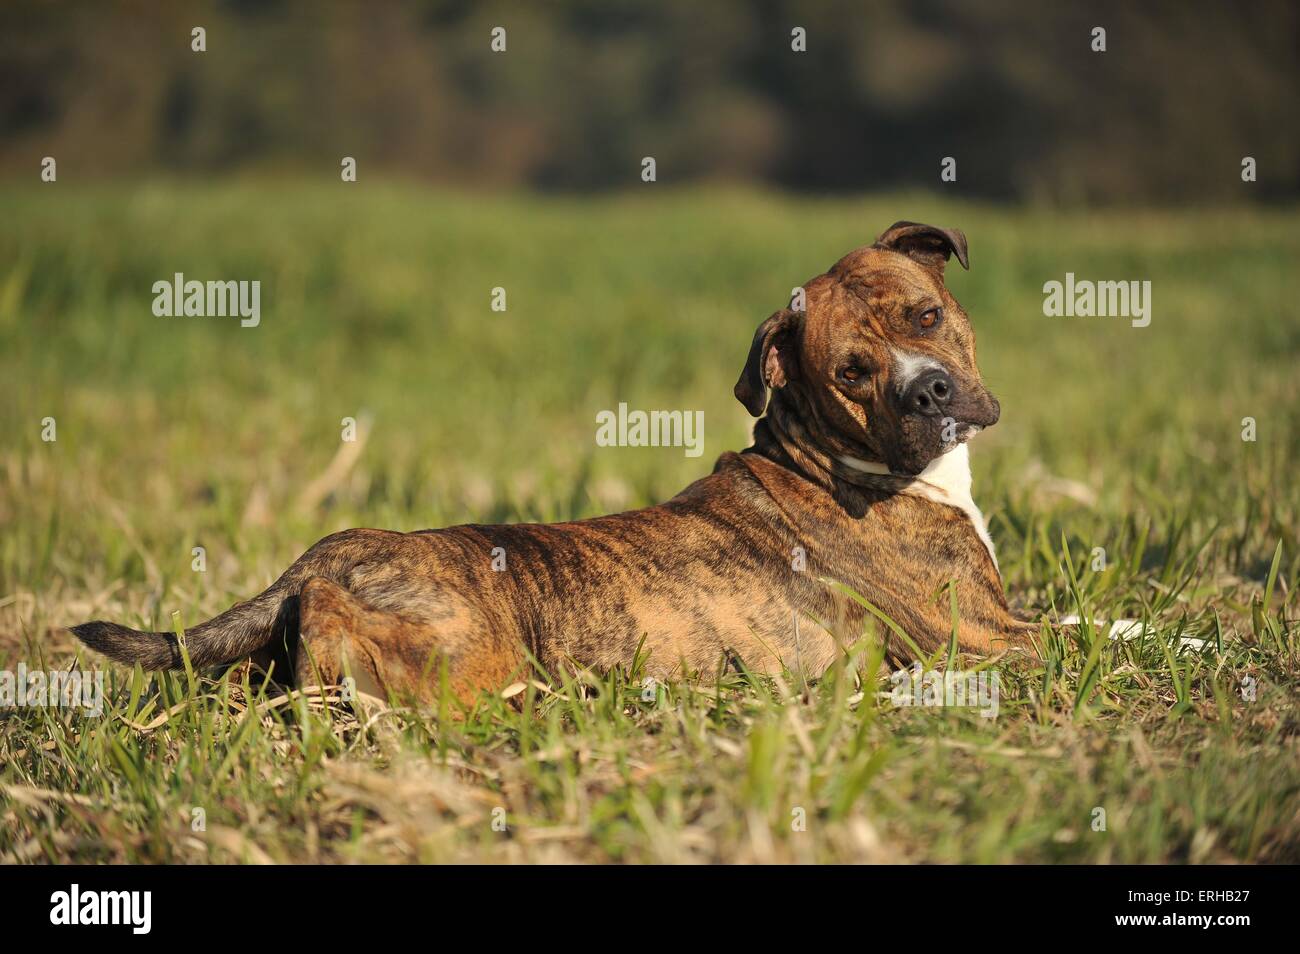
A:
(708, 576)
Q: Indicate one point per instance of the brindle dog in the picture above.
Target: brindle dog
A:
(858, 473)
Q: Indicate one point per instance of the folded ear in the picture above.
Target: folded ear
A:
(927, 244)
(771, 360)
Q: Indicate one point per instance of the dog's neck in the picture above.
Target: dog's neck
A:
(946, 480)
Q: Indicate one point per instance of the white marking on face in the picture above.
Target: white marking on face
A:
(907, 365)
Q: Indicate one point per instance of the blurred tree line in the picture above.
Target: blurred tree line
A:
(713, 90)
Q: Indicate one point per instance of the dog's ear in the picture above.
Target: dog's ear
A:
(770, 362)
(927, 244)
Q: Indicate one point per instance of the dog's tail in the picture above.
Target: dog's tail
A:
(239, 631)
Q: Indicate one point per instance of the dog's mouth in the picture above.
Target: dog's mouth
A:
(927, 439)
(917, 455)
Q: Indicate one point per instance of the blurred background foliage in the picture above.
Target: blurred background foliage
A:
(711, 90)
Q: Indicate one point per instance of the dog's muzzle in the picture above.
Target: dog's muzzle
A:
(934, 394)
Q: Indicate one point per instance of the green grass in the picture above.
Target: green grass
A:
(176, 433)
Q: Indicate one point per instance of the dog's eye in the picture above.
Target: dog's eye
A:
(929, 320)
(851, 373)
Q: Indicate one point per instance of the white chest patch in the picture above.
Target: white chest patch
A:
(945, 480)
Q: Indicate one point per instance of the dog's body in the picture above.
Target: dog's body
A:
(857, 474)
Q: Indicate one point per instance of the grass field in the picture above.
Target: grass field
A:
(174, 433)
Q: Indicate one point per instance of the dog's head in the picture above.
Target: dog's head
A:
(880, 366)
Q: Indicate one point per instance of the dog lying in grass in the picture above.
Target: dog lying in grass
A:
(858, 474)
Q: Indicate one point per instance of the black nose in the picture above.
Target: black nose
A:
(929, 393)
